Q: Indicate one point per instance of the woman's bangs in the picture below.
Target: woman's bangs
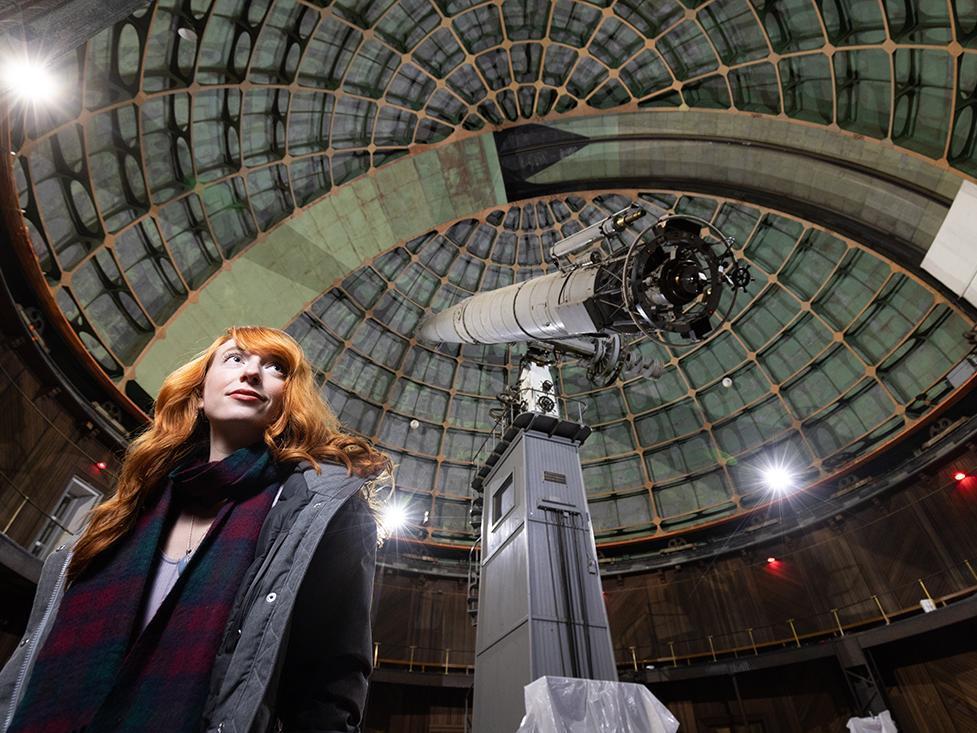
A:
(269, 342)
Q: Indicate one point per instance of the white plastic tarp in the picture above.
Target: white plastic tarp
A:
(881, 723)
(570, 705)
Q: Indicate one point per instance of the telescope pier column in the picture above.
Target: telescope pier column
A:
(540, 607)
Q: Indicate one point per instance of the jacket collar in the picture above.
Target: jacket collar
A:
(297, 491)
(330, 478)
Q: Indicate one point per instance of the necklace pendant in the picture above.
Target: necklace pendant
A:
(182, 564)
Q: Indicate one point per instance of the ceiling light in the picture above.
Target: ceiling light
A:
(771, 560)
(959, 476)
(393, 516)
(29, 81)
(778, 478)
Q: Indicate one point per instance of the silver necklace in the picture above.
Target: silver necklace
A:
(182, 565)
(190, 536)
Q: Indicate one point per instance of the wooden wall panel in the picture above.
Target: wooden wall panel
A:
(670, 619)
(952, 514)
(897, 552)
(43, 446)
(931, 680)
(785, 587)
(427, 613)
(629, 604)
(924, 530)
(416, 709)
(837, 576)
(803, 698)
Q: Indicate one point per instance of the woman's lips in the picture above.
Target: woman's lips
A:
(245, 397)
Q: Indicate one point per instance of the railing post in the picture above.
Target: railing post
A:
(841, 630)
(671, 645)
(793, 630)
(14, 516)
(711, 647)
(376, 655)
(881, 610)
(634, 659)
(970, 568)
(446, 653)
(410, 665)
(752, 642)
(923, 586)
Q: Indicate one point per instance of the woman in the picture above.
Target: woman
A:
(226, 585)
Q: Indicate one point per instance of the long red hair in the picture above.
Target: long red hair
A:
(306, 430)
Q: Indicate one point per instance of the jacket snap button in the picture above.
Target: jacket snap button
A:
(220, 727)
(59, 548)
(317, 505)
(25, 641)
(271, 597)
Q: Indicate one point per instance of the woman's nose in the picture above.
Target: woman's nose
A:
(252, 369)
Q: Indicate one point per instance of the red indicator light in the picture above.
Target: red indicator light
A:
(771, 560)
(959, 476)
(101, 465)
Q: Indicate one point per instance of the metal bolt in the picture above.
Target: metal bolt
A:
(271, 597)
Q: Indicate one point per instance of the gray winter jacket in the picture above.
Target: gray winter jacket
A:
(297, 647)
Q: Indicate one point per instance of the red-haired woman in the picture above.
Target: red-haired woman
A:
(226, 585)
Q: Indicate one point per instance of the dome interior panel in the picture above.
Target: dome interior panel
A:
(174, 161)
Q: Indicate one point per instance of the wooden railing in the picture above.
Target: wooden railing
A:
(939, 589)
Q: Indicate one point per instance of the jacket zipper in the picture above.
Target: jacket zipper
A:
(236, 619)
(22, 675)
(252, 591)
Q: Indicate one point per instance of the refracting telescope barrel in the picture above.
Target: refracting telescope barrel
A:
(669, 280)
(552, 306)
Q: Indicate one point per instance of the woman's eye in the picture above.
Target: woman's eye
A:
(233, 355)
(277, 367)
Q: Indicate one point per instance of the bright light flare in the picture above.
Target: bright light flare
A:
(29, 81)
(778, 479)
(393, 517)
(771, 560)
(959, 476)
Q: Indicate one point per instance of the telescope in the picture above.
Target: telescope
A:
(601, 302)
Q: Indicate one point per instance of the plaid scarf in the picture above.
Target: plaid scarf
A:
(96, 672)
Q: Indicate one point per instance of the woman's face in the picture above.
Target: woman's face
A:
(242, 395)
